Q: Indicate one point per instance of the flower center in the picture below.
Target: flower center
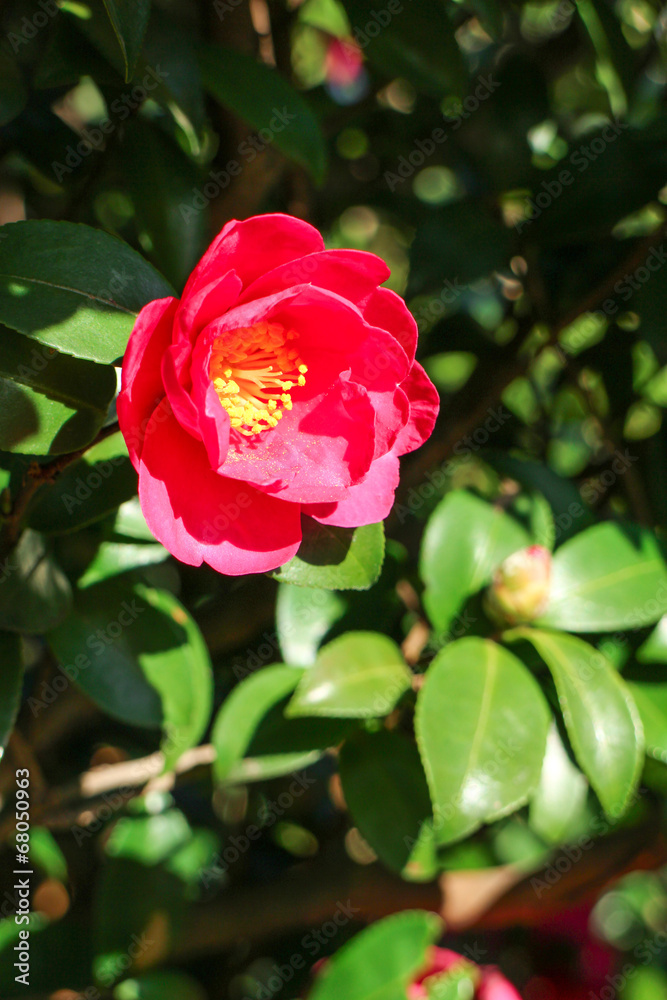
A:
(253, 370)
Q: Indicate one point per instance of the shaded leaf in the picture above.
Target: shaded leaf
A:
(35, 594)
(11, 680)
(336, 558)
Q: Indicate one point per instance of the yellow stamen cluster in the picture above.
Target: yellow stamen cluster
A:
(253, 370)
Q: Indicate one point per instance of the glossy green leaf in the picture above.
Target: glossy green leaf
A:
(129, 19)
(162, 183)
(131, 523)
(481, 724)
(148, 839)
(359, 675)
(243, 710)
(11, 680)
(558, 803)
(87, 490)
(336, 558)
(602, 720)
(50, 403)
(73, 287)
(35, 594)
(268, 102)
(304, 615)
(136, 652)
(651, 700)
(13, 90)
(465, 540)
(654, 649)
(114, 558)
(610, 577)
(270, 766)
(386, 792)
(380, 961)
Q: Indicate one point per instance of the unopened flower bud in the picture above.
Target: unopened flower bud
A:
(521, 584)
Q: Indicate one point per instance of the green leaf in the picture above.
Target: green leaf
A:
(268, 102)
(148, 839)
(379, 962)
(50, 403)
(270, 766)
(137, 654)
(651, 700)
(11, 681)
(35, 594)
(161, 985)
(558, 804)
(416, 42)
(609, 577)
(336, 558)
(386, 792)
(481, 724)
(181, 674)
(359, 675)
(601, 718)
(73, 287)
(87, 490)
(114, 558)
(243, 710)
(654, 649)
(129, 19)
(161, 185)
(304, 615)
(13, 91)
(465, 540)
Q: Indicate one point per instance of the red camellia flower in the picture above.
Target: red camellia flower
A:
(489, 983)
(282, 382)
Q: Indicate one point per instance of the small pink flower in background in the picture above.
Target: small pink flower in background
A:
(282, 383)
(490, 984)
(344, 62)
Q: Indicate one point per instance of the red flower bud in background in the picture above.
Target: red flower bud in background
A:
(487, 982)
(521, 586)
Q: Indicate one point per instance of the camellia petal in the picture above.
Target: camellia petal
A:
(142, 387)
(203, 517)
(424, 401)
(365, 503)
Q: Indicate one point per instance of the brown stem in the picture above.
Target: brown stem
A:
(35, 477)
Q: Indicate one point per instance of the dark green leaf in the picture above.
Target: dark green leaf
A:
(13, 91)
(160, 985)
(162, 184)
(304, 615)
(11, 680)
(379, 962)
(129, 19)
(73, 287)
(386, 792)
(50, 403)
(243, 710)
(360, 675)
(34, 592)
(481, 725)
(336, 558)
(602, 720)
(87, 490)
(137, 653)
(465, 540)
(611, 576)
(651, 700)
(267, 102)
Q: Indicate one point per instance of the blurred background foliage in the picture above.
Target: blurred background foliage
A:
(509, 162)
